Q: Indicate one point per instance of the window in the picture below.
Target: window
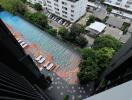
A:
(56, 4)
(64, 12)
(72, 11)
(72, 19)
(72, 6)
(64, 8)
(64, 3)
(57, 13)
(64, 16)
(48, 1)
(57, 9)
(56, 0)
(49, 6)
(72, 15)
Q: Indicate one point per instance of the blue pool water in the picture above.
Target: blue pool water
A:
(62, 53)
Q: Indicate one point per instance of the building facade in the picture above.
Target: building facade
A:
(20, 79)
(121, 4)
(70, 10)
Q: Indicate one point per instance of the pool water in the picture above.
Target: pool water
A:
(63, 55)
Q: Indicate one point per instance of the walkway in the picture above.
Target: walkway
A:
(59, 88)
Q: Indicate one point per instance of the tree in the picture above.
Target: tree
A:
(52, 32)
(81, 41)
(109, 9)
(107, 41)
(103, 57)
(86, 53)
(37, 6)
(88, 70)
(63, 32)
(37, 18)
(24, 1)
(66, 97)
(13, 6)
(90, 20)
(77, 29)
(102, 1)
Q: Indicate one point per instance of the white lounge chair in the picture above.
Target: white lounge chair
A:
(41, 68)
(20, 41)
(25, 45)
(49, 66)
(41, 60)
(39, 57)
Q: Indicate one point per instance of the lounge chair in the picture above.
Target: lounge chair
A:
(50, 66)
(41, 68)
(25, 45)
(39, 57)
(41, 60)
(20, 41)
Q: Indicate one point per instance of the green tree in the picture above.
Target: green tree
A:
(93, 63)
(66, 97)
(13, 6)
(90, 20)
(103, 57)
(52, 32)
(107, 41)
(109, 9)
(37, 6)
(86, 53)
(63, 32)
(77, 29)
(81, 41)
(37, 18)
(102, 1)
(24, 1)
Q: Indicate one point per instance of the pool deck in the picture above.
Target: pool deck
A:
(34, 51)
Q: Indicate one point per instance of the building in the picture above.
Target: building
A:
(130, 29)
(120, 4)
(95, 28)
(121, 92)
(115, 32)
(20, 79)
(41, 2)
(70, 10)
(100, 14)
(115, 21)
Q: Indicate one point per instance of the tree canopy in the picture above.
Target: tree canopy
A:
(37, 18)
(95, 60)
(37, 6)
(13, 6)
(107, 41)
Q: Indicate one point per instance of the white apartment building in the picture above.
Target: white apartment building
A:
(70, 10)
(42, 2)
(123, 4)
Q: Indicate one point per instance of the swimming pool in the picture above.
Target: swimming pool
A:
(63, 55)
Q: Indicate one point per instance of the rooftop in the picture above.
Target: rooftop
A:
(115, 32)
(121, 92)
(130, 28)
(100, 13)
(115, 21)
(97, 26)
(125, 38)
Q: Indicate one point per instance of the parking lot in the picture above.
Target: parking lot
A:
(56, 21)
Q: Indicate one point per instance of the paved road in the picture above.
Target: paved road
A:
(59, 88)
